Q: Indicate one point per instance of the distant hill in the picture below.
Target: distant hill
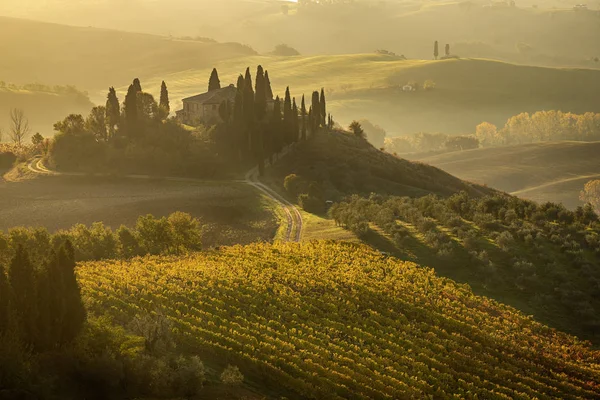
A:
(94, 59)
(333, 320)
(467, 92)
(343, 164)
(542, 172)
(42, 106)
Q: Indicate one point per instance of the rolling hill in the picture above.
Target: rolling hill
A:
(343, 164)
(542, 172)
(333, 320)
(42, 106)
(468, 91)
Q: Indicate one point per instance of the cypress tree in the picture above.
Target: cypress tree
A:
(295, 128)
(316, 112)
(164, 99)
(276, 138)
(260, 99)
(447, 50)
(249, 113)
(436, 52)
(22, 285)
(303, 120)
(269, 90)
(287, 116)
(137, 85)
(311, 124)
(238, 118)
(323, 105)
(74, 311)
(5, 297)
(214, 83)
(130, 109)
(113, 112)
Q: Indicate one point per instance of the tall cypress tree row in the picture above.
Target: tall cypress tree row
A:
(303, 119)
(323, 105)
(287, 117)
(5, 298)
(214, 83)
(22, 282)
(260, 98)
(74, 311)
(113, 112)
(164, 99)
(311, 124)
(269, 90)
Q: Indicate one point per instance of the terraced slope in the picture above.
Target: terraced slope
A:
(332, 320)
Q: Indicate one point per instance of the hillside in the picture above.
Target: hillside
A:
(331, 320)
(342, 164)
(42, 106)
(546, 33)
(542, 172)
(467, 92)
(94, 59)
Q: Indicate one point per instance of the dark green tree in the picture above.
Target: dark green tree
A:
(249, 113)
(323, 105)
(96, 123)
(74, 311)
(137, 85)
(276, 138)
(311, 124)
(237, 120)
(436, 51)
(303, 119)
(287, 117)
(130, 109)
(356, 129)
(295, 127)
(447, 50)
(21, 277)
(5, 298)
(316, 112)
(164, 105)
(269, 90)
(260, 99)
(214, 83)
(113, 112)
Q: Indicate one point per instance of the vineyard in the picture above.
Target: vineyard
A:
(339, 320)
(539, 258)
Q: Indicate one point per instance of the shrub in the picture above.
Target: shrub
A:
(232, 376)
(185, 232)
(505, 240)
(294, 185)
(7, 159)
(154, 235)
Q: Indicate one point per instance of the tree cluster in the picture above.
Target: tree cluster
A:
(541, 126)
(40, 302)
(257, 126)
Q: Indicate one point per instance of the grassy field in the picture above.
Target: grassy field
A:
(540, 171)
(468, 91)
(230, 213)
(331, 320)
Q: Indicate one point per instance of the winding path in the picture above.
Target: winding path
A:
(293, 216)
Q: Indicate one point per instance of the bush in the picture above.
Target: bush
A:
(232, 376)
(311, 204)
(7, 159)
(285, 50)
(294, 185)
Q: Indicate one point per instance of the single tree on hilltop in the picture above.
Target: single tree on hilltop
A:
(164, 104)
(436, 51)
(214, 83)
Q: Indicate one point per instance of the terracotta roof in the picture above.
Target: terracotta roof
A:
(214, 96)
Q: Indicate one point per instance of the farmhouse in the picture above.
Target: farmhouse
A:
(205, 106)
